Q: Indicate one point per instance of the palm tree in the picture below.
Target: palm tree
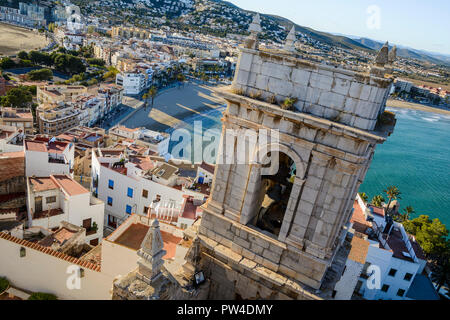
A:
(152, 92)
(363, 196)
(407, 212)
(393, 193)
(181, 78)
(378, 200)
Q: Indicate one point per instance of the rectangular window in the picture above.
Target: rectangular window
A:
(128, 209)
(145, 210)
(110, 201)
(392, 272)
(130, 193)
(385, 288)
(400, 292)
(50, 199)
(111, 184)
(408, 276)
(145, 193)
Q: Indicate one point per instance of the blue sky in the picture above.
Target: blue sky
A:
(421, 25)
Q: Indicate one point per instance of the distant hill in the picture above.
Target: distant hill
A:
(407, 52)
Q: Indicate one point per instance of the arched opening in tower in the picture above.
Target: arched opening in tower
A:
(274, 195)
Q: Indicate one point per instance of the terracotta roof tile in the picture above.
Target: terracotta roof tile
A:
(43, 249)
(358, 252)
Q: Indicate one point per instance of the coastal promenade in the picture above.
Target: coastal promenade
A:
(172, 106)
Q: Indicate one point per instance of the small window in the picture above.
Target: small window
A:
(158, 198)
(400, 292)
(130, 192)
(111, 184)
(50, 199)
(408, 276)
(145, 193)
(392, 272)
(128, 209)
(110, 200)
(145, 210)
(385, 288)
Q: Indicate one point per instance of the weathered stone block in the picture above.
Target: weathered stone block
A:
(301, 77)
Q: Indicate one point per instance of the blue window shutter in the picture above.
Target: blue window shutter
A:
(128, 209)
(130, 192)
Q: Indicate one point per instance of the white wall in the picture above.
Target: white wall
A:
(38, 271)
(346, 285)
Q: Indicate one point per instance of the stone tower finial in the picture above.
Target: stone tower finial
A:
(192, 256)
(255, 28)
(151, 253)
(392, 56)
(290, 41)
(382, 57)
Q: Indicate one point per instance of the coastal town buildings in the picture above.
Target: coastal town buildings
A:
(63, 107)
(397, 254)
(137, 184)
(56, 198)
(45, 156)
(21, 118)
(11, 139)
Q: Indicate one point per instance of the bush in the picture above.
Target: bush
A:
(4, 284)
(42, 296)
(42, 74)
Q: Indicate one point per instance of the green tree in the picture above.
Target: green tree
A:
(150, 94)
(42, 74)
(23, 55)
(406, 215)
(19, 97)
(430, 234)
(96, 61)
(393, 193)
(364, 196)
(378, 200)
(7, 63)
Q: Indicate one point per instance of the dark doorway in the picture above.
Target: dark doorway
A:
(38, 204)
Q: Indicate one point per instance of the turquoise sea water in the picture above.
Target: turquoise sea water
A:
(415, 158)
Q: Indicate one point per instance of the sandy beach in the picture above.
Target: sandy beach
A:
(414, 106)
(14, 39)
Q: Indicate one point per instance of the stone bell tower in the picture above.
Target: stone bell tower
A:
(273, 233)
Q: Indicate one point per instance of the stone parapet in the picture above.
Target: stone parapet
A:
(344, 96)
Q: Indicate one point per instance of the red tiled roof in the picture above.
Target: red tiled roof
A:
(69, 185)
(43, 184)
(12, 165)
(377, 210)
(35, 146)
(51, 252)
(358, 252)
(47, 213)
(57, 146)
(358, 219)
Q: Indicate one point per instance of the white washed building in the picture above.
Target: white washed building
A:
(57, 198)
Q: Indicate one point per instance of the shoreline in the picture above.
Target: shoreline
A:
(415, 106)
